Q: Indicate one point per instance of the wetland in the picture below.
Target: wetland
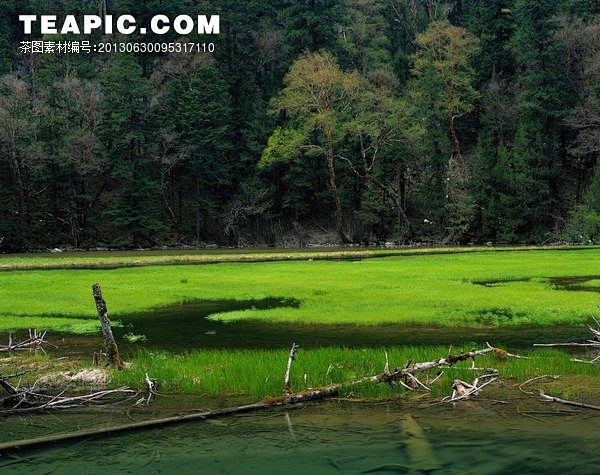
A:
(235, 321)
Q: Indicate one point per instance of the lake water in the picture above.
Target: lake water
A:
(486, 436)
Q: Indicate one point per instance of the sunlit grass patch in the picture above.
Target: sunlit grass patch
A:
(80, 326)
(476, 288)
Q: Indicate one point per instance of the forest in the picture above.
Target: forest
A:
(338, 121)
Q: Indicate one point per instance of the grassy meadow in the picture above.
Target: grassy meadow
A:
(485, 287)
(445, 289)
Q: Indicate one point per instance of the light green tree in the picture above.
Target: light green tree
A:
(317, 100)
(443, 86)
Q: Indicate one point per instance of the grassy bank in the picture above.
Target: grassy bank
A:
(112, 259)
(476, 288)
(258, 373)
(250, 375)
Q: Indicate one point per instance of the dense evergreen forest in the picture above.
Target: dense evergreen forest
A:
(348, 120)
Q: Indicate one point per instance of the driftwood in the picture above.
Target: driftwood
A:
(26, 400)
(450, 360)
(546, 397)
(594, 342)
(40, 441)
(33, 344)
(110, 345)
(462, 390)
(18, 399)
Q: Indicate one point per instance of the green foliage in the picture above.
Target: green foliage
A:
(527, 177)
(492, 21)
(307, 24)
(160, 149)
(443, 86)
(584, 221)
(365, 35)
(536, 57)
(283, 145)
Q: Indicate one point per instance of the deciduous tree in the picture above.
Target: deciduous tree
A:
(317, 99)
(443, 85)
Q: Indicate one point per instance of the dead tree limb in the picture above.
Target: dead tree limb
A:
(546, 397)
(20, 399)
(537, 378)
(593, 343)
(32, 344)
(110, 344)
(462, 390)
(9, 388)
(288, 386)
(420, 367)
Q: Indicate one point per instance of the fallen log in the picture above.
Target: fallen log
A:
(41, 441)
(449, 360)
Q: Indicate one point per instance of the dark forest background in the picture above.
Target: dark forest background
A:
(341, 120)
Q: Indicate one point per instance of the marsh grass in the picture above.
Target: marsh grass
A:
(250, 375)
(425, 289)
(115, 259)
(255, 374)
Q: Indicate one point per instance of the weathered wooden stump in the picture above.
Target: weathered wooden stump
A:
(110, 345)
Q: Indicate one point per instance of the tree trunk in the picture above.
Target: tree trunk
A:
(110, 345)
(336, 199)
(20, 187)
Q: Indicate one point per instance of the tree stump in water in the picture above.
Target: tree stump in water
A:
(112, 351)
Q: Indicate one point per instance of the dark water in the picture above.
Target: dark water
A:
(483, 437)
(185, 327)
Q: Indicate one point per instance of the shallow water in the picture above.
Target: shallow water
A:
(185, 327)
(484, 436)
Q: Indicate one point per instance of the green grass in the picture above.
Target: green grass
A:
(258, 373)
(427, 289)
